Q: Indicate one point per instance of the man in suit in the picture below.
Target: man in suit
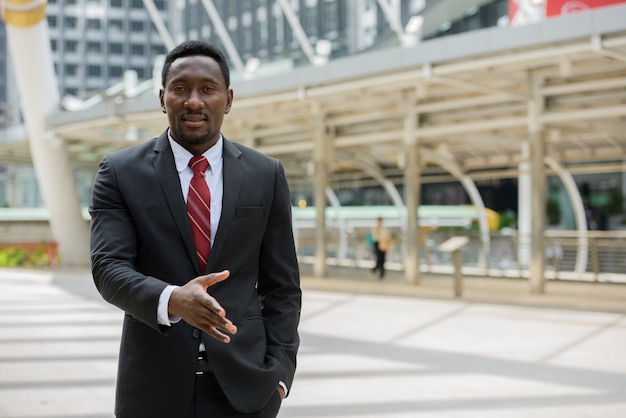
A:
(198, 341)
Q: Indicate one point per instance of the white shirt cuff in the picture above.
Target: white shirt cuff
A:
(284, 386)
(163, 317)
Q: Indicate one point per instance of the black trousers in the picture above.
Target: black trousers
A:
(380, 261)
(210, 402)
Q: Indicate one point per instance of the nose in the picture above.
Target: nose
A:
(193, 101)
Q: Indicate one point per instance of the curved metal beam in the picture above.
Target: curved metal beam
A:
(374, 171)
(579, 212)
(343, 226)
(392, 191)
(453, 168)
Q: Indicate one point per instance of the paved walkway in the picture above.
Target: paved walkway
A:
(369, 349)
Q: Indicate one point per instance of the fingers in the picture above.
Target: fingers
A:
(210, 279)
(218, 321)
(215, 322)
(212, 319)
(198, 308)
(218, 335)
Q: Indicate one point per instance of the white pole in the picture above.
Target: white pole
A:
(29, 46)
(298, 32)
(222, 32)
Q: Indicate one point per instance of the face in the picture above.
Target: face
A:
(195, 99)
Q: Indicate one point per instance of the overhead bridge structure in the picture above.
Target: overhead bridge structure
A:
(526, 102)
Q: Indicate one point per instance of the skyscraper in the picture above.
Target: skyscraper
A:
(95, 41)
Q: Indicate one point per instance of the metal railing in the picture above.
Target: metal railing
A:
(593, 256)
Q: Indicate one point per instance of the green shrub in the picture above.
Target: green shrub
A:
(25, 256)
(13, 257)
(507, 220)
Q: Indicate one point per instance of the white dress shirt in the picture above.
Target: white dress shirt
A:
(214, 177)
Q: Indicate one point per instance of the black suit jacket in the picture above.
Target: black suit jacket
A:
(141, 241)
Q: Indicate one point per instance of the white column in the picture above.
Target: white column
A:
(29, 45)
(298, 32)
(524, 186)
(412, 193)
(321, 164)
(222, 32)
(538, 190)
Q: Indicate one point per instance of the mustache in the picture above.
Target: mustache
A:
(195, 115)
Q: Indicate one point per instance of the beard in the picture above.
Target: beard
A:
(189, 138)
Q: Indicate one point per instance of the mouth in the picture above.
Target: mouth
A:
(194, 120)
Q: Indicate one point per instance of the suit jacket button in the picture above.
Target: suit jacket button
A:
(195, 333)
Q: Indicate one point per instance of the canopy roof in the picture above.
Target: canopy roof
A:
(472, 97)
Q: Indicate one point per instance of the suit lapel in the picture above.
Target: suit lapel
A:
(233, 172)
(166, 173)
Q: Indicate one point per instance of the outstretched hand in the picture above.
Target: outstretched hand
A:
(195, 306)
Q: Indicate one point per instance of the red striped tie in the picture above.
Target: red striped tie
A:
(199, 209)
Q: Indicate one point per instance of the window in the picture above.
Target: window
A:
(310, 22)
(70, 69)
(136, 26)
(116, 48)
(94, 47)
(70, 22)
(93, 23)
(136, 4)
(71, 46)
(158, 50)
(137, 49)
(246, 37)
(116, 3)
(232, 23)
(94, 70)
(116, 25)
(52, 21)
(330, 20)
(115, 71)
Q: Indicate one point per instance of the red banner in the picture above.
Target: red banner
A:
(567, 7)
(522, 12)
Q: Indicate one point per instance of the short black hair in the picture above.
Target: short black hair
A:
(189, 48)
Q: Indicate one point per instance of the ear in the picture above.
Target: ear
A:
(162, 100)
(229, 101)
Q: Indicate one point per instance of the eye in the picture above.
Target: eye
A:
(209, 89)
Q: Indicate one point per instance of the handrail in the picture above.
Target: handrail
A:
(606, 254)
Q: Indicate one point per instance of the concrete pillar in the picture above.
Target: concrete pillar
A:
(524, 187)
(538, 190)
(322, 156)
(29, 45)
(412, 192)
